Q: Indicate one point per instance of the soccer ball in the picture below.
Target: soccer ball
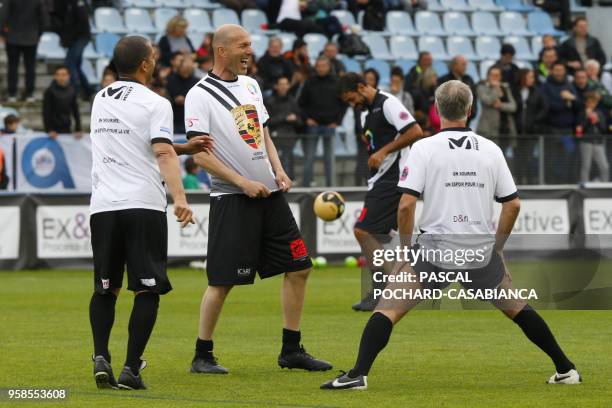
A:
(329, 206)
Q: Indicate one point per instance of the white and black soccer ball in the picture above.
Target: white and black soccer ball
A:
(329, 206)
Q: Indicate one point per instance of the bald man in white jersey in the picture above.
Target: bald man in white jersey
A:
(251, 228)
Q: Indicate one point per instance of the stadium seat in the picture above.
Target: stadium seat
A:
(89, 71)
(204, 4)
(179, 4)
(524, 64)
(162, 16)
(515, 5)
(540, 23)
(461, 46)
(253, 20)
(455, 5)
(512, 23)
(403, 47)
(259, 43)
(138, 21)
(576, 8)
(49, 47)
(433, 45)
(457, 23)
(485, 23)
(224, 16)
(287, 39)
(484, 67)
(434, 5)
(378, 46)
(383, 69)
(405, 64)
(90, 52)
(484, 5)
(441, 67)
(100, 65)
(427, 22)
(351, 64)
(521, 46)
(536, 45)
(472, 71)
(146, 4)
(105, 43)
(198, 20)
(345, 17)
(108, 19)
(487, 47)
(195, 38)
(316, 42)
(399, 22)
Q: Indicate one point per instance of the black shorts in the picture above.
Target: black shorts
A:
(379, 213)
(136, 237)
(252, 235)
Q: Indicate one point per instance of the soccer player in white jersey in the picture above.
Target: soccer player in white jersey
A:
(133, 156)
(459, 174)
(251, 227)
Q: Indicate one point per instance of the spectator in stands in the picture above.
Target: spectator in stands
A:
(175, 40)
(457, 70)
(205, 49)
(287, 15)
(11, 123)
(509, 70)
(563, 105)
(396, 88)
(591, 128)
(59, 103)
(179, 83)
(581, 83)
(598, 83)
(498, 108)
(372, 77)
(423, 95)
(75, 34)
(374, 13)
(21, 24)
(532, 110)
(548, 56)
(319, 11)
(331, 52)
(548, 41)
(253, 70)
(298, 56)
(273, 65)
(190, 180)
(4, 179)
(323, 110)
(239, 5)
(107, 79)
(558, 6)
(298, 80)
(412, 6)
(285, 122)
(424, 62)
(581, 46)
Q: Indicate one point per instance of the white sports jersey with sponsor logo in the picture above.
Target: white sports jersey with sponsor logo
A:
(126, 118)
(234, 115)
(459, 174)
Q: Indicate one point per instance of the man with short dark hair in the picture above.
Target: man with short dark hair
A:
(425, 61)
(59, 104)
(272, 65)
(457, 172)
(133, 159)
(509, 70)
(548, 57)
(581, 46)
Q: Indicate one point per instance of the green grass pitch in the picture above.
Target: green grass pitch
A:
(443, 358)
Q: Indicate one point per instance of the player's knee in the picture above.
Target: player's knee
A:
(393, 315)
(360, 234)
(299, 276)
(219, 292)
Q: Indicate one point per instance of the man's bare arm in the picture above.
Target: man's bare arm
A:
(405, 218)
(407, 138)
(509, 213)
(282, 180)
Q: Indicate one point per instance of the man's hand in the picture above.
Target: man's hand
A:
(376, 159)
(179, 100)
(311, 122)
(497, 104)
(183, 213)
(283, 181)
(292, 117)
(574, 64)
(197, 144)
(254, 189)
(53, 134)
(332, 125)
(567, 95)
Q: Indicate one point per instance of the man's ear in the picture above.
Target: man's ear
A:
(361, 88)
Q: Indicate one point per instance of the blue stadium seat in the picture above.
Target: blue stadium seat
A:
(89, 71)
(523, 52)
(427, 22)
(378, 46)
(487, 47)
(455, 5)
(457, 23)
(524, 64)
(434, 5)
(204, 4)
(148, 4)
(345, 17)
(536, 45)
(253, 19)
(351, 64)
(399, 22)
(461, 46)
(484, 5)
(90, 52)
(196, 39)
(383, 69)
(434, 46)
(259, 43)
(100, 65)
(485, 23)
(198, 20)
(49, 47)
(405, 64)
(484, 67)
(540, 23)
(576, 8)
(108, 19)
(441, 67)
(138, 21)
(105, 43)
(287, 39)
(224, 16)
(472, 71)
(403, 47)
(161, 17)
(179, 4)
(515, 5)
(512, 23)
(316, 42)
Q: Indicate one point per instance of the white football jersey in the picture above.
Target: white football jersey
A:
(126, 119)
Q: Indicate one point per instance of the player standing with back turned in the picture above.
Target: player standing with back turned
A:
(133, 155)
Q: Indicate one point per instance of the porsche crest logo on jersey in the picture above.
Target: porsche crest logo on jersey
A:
(247, 122)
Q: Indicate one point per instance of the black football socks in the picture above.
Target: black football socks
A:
(204, 349)
(374, 338)
(291, 341)
(536, 330)
(142, 320)
(101, 318)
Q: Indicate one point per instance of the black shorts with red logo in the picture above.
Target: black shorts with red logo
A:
(252, 235)
(379, 213)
